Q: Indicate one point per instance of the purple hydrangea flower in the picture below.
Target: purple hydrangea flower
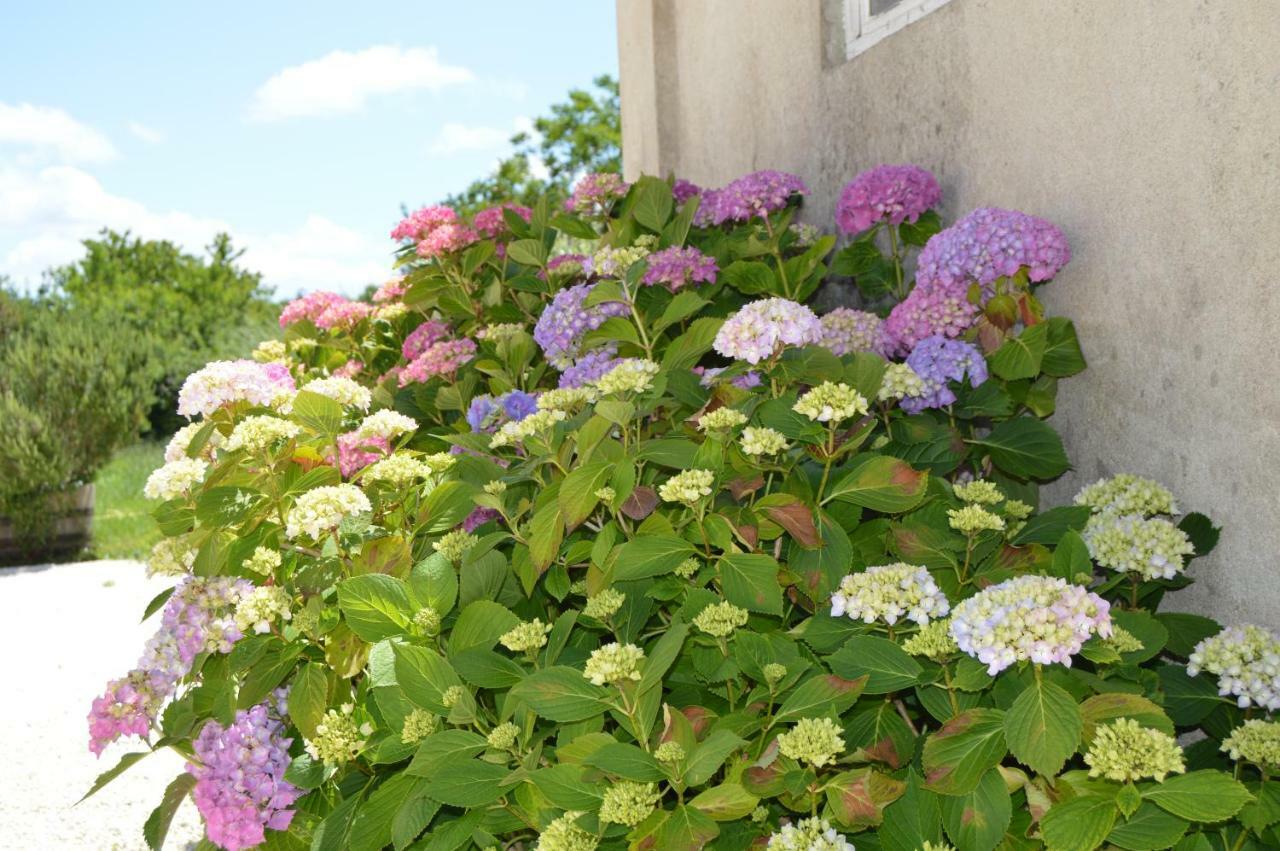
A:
(518, 404)
(683, 190)
(676, 268)
(761, 328)
(567, 319)
(991, 243)
(423, 337)
(481, 413)
(590, 366)
(478, 517)
(240, 787)
(938, 361)
(757, 194)
(596, 192)
(575, 263)
(889, 193)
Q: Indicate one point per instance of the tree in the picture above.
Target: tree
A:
(177, 310)
(582, 134)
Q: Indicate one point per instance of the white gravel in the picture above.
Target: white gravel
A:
(65, 630)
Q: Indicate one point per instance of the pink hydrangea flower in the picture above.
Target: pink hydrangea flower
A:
(391, 290)
(417, 225)
(764, 327)
(342, 314)
(753, 195)
(491, 222)
(596, 192)
(440, 358)
(309, 306)
(886, 193)
(350, 369)
(446, 239)
(926, 312)
(845, 330)
(421, 338)
(356, 452)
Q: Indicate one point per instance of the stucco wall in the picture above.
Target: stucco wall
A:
(1149, 130)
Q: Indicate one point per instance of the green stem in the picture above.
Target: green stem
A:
(900, 290)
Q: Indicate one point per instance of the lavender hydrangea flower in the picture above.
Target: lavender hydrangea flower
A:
(683, 190)
(567, 319)
(481, 413)
(589, 367)
(938, 361)
(763, 327)
(676, 268)
(886, 193)
(757, 194)
(240, 788)
(518, 404)
(845, 331)
(991, 243)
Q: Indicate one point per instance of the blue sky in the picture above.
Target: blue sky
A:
(300, 128)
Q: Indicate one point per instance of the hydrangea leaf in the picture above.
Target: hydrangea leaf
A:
(1042, 727)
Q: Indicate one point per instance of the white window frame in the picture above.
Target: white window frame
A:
(864, 30)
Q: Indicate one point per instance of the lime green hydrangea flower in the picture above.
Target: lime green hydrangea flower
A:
(831, 403)
(688, 487)
(606, 495)
(452, 696)
(455, 544)
(1255, 741)
(629, 803)
(633, 375)
(338, 738)
(1124, 751)
(398, 470)
(1153, 548)
(257, 433)
(972, 519)
(688, 568)
(1126, 493)
(566, 399)
(809, 834)
(440, 462)
(174, 557)
(526, 637)
(563, 834)
(1122, 641)
(979, 491)
(503, 736)
(258, 609)
(495, 487)
(900, 382)
(933, 641)
(418, 724)
(721, 419)
(762, 441)
(269, 351)
(816, 741)
(774, 673)
(604, 605)
(720, 620)
(515, 433)
(427, 619)
(669, 752)
(614, 663)
(264, 561)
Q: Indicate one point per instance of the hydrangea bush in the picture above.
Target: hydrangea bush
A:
(586, 532)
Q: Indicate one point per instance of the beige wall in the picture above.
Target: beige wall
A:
(1149, 130)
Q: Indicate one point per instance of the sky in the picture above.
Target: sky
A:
(298, 128)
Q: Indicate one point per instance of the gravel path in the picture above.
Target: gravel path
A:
(65, 630)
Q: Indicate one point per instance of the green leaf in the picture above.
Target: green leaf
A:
(546, 532)
(1105, 708)
(1043, 726)
(376, 606)
(1080, 824)
(1026, 448)
(822, 694)
(709, 755)
(563, 785)
(686, 829)
(650, 555)
(481, 624)
(963, 749)
(858, 798)
(685, 304)
(425, 676)
(886, 666)
(126, 762)
(1205, 795)
(486, 669)
(331, 834)
(434, 583)
(1050, 526)
(1071, 557)
(1020, 356)
(1188, 699)
(469, 784)
(977, 820)
(157, 825)
(880, 483)
(441, 751)
(577, 496)
(1148, 829)
(309, 698)
(1186, 631)
(750, 580)
(749, 276)
(372, 826)
(626, 761)
(1203, 534)
(662, 655)
(528, 252)
(726, 802)
(652, 202)
(913, 819)
(318, 413)
(1062, 355)
(562, 694)
(685, 351)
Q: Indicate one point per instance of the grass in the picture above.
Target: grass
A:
(122, 524)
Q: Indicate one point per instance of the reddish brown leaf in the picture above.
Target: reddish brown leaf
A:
(641, 503)
(742, 487)
(797, 519)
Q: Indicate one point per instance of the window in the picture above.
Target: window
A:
(866, 22)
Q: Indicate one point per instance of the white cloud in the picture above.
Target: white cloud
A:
(150, 135)
(455, 138)
(48, 212)
(41, 131)
(342, 81)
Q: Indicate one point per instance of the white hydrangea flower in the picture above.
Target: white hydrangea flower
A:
(175, 478)
(386, 424)
(889, 593)
(323, 509)
(344, 391)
